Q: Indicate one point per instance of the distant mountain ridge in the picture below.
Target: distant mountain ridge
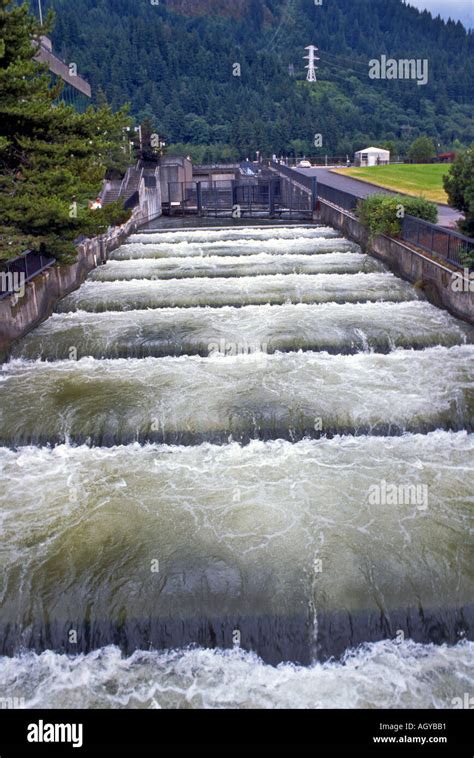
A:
(176, 63)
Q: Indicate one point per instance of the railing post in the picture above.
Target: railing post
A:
(199, 198)
(271, 197)
(314, 193)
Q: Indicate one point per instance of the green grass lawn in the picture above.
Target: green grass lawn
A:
(412, 179)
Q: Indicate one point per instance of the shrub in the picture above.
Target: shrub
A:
(383, 214)
(467, 258)
(420, 207)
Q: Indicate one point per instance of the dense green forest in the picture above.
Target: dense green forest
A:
(174, 60)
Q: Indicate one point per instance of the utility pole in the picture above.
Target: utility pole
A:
(40, 12)
(311, 58)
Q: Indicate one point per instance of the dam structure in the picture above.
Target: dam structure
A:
(236, 471)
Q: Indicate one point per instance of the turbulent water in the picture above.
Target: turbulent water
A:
(253, 395)
(382, 675)
(228, 266)
(335, 328)
(237, 472)
(248, 290)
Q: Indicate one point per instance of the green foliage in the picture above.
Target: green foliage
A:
(205, 154)
(52, 159)
(422, 150)
(378, 214)
(419, 207)
(467, 258)
(383, 214)
(174, 62)
(459, 184)
(145, 148)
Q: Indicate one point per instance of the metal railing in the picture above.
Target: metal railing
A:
(294, 175)
(337, 197)
(272, 196)
(216, 166)
(440, 241)
(445, 243)
(16, 273)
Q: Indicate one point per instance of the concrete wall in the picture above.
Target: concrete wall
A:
(19, 315)
(434, 277)
(150, 196)
(173, 172)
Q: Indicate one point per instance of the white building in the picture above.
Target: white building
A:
(372, 156)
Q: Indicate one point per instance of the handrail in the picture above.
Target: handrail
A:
(291, 173)
(125, 180)
(443, 242)
(14, 274)
(438, 240)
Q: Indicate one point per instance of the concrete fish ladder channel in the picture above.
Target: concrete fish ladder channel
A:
(287, 471)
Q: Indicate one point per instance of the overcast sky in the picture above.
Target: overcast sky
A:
(457, 9)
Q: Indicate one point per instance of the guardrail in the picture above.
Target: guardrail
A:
(437, 240)
(16, 273)
(294, 175)
(216, 166)
(445, 243)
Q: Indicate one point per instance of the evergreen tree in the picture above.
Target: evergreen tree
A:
(52, 159)
(459, 185)
(147, 140)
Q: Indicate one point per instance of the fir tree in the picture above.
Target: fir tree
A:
(52, 159)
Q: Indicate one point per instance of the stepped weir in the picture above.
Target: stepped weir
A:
(230, 442)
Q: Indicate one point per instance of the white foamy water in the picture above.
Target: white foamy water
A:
(380, 675)
(237, 234)
(222, 266)
(195, 399)
(247, 290)
(242, 248)
(338, 328)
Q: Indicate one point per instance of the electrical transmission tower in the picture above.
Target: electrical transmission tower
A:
(311, 58)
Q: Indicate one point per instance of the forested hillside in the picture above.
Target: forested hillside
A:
(175, 61)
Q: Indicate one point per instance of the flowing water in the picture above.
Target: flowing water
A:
(237, 472)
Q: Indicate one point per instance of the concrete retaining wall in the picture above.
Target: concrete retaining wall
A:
(19, 315)
(443, 284)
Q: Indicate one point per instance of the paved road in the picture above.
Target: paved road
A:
(446, 216)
